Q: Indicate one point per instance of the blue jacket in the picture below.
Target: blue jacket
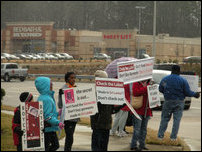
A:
(49, 107)
(175, 87)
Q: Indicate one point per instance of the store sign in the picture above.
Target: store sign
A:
(27, 31)
(117, 36)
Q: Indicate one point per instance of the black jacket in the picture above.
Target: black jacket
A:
(103, 119)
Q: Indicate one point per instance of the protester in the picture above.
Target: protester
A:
(121, 117)
(174, 88)
(140, 126)
(101, 122)
(45, 88)
(69, 124)
(16, 121)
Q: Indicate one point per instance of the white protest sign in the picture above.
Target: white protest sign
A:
(80, 102)
(32, 123)
(193, 81)
(153, 96)
(135, 70)
(110, 91)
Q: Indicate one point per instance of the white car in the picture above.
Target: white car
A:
(157, 76)
(67, 56)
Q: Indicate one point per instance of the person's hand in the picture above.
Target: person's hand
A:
(61, 125)
(19, 131)
(197, 95)
(61, 92)
(60, 112)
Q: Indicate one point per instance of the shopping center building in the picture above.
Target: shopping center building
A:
(35, 37)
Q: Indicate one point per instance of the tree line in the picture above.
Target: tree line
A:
(178, 18)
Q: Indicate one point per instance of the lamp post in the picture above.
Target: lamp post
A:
(140, 7)
(154, 32)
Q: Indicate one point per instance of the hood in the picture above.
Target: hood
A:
(43, 85)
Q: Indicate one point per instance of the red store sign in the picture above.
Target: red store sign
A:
(117, 36)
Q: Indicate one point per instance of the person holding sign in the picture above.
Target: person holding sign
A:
(45, 88)
(101, 122)
(140, 126)
(69, 124)
(16, 121)
(174, 88)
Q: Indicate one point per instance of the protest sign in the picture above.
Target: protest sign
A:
(193, 81)
(135, 70)
(32, 123)
(110, 91)
(79, 102)
(132, 110)
(153, 96)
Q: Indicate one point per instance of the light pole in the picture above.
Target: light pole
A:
(140, 7)
(154, 32)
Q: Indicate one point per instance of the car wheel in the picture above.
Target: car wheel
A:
(187, 107)
(22, 79)
(6, 78)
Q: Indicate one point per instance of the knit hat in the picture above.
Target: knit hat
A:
(101, 74)
(176, 69)
(26, 97)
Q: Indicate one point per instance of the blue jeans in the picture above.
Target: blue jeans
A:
(100, 139)
(139, 131)
(170, 107)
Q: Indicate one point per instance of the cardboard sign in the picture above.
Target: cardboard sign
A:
(135, 70)
(32, 123)
(79, 102)
(193, 81)
(153, 96)
(110, 91)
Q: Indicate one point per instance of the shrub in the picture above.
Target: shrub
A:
(158, 61)
(164, 61)
(175, 61)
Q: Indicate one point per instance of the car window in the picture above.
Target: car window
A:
(2, 66)
(157, 77)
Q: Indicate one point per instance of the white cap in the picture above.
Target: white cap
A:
(101, 74)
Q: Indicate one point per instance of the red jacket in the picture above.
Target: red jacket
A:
(139, 89)
(127, 96)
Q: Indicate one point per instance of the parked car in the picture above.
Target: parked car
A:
(192, 59)
(12, 70)
(67, 56)
(60, 56)
(168, 66)
(101, 56)
(157, 76)
(6, 55)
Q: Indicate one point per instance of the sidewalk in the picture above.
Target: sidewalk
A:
(82, 142)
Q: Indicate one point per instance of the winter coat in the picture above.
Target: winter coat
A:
(49, 107)
(139, 89)
(103, 119)
(175, 87)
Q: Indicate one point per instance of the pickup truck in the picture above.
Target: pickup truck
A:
(12, 70)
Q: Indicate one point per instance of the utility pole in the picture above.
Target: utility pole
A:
(154, 31)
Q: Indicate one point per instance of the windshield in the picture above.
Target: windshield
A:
(157, 77)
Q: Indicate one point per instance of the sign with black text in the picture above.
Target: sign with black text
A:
(153, 96)
(79, 102)
(110, 91)
(135, 70)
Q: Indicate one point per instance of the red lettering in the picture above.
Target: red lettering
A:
(130, 36)
(117, 36)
